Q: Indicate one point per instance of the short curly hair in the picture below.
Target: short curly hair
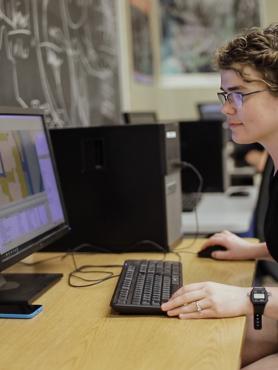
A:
(257, 48)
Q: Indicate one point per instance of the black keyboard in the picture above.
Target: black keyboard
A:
(144, 285)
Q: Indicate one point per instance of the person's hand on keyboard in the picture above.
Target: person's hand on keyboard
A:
(208, 300)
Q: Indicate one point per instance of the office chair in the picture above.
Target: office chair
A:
(264, 268)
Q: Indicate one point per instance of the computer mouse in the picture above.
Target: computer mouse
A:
(239, 193)
(206, 253)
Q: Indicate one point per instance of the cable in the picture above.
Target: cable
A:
(43, 260)
(91, 282)
(178, 253)
(184, 165)
(82, 269)
(85, 269)
(150, 242)
(129, 248)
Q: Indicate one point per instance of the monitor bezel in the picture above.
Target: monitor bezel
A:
(44, 239)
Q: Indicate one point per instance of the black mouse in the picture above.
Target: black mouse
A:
(239, 193)
(206, 253)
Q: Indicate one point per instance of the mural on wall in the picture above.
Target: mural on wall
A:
(61, 56)
(141, 40)
(191, 30)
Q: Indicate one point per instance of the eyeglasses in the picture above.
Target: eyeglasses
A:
(235, 98)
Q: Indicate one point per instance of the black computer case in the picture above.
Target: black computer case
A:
(121, 186)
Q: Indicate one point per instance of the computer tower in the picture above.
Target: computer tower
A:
(121, 186)
(204, 145)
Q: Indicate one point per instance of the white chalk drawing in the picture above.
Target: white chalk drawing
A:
(61, 56)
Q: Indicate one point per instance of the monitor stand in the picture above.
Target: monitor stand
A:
(25, 288)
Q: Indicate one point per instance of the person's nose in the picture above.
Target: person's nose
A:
(228, 108)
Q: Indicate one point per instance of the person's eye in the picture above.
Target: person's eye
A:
(237, 94)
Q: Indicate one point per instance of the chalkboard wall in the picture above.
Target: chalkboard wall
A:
(61, 56)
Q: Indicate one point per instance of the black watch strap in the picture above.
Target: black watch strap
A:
(259, 298)
(257, 321)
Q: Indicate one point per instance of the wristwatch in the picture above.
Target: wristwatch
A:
(259, 298)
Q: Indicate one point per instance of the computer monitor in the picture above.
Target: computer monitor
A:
(31, 208)
(210, 111)
(203, 144)
(140, 117)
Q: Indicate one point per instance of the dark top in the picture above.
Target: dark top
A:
(271, 219)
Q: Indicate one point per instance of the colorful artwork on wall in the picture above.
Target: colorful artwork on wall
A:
(191, 30)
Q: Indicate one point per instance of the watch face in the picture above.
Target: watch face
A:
(259, 295)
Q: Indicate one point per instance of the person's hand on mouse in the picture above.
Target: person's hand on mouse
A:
(208, 300)
(237, 248)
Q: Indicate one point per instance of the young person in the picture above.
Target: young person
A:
(249, 93)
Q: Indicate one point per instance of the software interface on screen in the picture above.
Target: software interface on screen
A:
(29, 198)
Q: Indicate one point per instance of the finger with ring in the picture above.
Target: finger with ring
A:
(198, 307)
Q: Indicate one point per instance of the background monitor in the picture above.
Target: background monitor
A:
(211, 111)
(31, 209)
(203, 144)
(140, 117)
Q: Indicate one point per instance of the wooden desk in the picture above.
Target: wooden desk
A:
(77, 330)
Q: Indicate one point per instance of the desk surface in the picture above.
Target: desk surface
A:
(219, 211)
(77, 330)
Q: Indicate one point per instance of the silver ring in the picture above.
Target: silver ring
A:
(198, 307)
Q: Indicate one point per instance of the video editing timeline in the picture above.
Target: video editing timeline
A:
(29, 199)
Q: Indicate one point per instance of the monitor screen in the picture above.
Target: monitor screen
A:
(211, 111)
(31, 208)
